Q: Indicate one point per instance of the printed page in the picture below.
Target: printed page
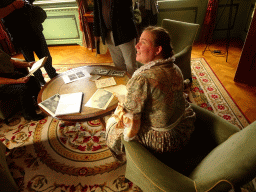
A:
(50, 104)
(106, 82)
(100, 99)
(75, 76)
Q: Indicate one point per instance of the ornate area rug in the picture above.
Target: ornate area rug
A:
(208, 92)
(47, 157)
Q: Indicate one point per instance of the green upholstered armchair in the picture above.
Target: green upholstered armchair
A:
(7, 183)
(219, 157)
(182, 37)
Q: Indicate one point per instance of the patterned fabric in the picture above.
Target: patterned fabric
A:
(121, 123)
(155, 92)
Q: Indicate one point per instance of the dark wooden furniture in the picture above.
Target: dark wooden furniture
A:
(246, 69)
(57, 85)
(88, 22)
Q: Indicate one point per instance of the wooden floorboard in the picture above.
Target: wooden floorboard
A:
(243, 95)
(225, 68)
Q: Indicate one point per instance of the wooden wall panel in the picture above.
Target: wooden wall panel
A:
(246, 70)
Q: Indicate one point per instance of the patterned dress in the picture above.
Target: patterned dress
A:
(155, 110)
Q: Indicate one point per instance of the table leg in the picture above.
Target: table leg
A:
(103, 122)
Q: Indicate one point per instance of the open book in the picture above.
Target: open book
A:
(37, 65)
(63, 104)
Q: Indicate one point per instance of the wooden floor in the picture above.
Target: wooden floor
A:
(243, 95)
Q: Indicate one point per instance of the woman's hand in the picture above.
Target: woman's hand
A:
(18, 4)
(30, 64)
(121, 98)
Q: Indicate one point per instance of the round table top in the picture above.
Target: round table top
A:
(88, 87)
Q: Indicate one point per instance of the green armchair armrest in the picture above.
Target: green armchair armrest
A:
(218, 157)
(144, 168)
(232, 163)
(7, 183)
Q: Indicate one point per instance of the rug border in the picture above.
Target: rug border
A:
(249, 122)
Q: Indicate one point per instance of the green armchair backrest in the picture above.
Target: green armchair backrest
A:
(182, 33)
(218, 157)
(182, 36)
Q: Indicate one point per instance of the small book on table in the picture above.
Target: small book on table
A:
(63, 104)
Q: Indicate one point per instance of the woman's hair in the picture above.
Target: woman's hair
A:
(161, 38)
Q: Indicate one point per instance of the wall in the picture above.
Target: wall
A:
(62, 24)
(194, 11)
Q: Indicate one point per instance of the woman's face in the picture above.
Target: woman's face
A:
(146, 51)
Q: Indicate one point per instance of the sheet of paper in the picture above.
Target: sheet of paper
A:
(106, 82)
(37, 65)
(117, 90)
(100, 99)
(70, 77)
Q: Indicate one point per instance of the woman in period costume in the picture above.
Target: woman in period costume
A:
(154, 111)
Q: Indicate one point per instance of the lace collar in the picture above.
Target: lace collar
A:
(153, 63)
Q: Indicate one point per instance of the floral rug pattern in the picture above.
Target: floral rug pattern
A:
(208, 92)
(47, 156)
